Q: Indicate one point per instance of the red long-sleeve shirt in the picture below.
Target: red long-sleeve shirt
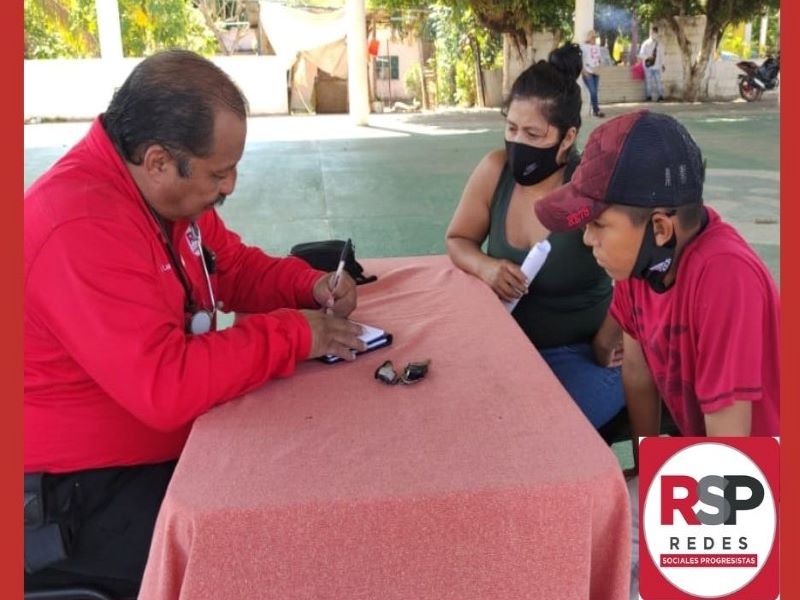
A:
(111, 376)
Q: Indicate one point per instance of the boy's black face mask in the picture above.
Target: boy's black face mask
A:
(654, 261)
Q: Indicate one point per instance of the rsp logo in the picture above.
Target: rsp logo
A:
(720, 493)
(708, 518)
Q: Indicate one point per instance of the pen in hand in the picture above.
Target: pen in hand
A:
(337, 276)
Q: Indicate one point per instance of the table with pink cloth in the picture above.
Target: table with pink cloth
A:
(483, 481)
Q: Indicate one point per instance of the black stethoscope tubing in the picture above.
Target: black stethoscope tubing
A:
(200, 320)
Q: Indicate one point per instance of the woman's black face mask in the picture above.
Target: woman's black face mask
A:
(530, 164)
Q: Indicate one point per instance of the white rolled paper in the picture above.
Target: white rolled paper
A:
(531, 266)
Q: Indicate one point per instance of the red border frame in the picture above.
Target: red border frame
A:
(11, 112)
(790, 316)
(11, 52)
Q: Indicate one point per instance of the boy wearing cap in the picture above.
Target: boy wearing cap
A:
(699, 310)
(698, 307)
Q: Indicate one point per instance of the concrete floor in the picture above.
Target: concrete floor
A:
(392, 187)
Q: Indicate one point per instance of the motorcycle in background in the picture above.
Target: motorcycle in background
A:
(756, 79)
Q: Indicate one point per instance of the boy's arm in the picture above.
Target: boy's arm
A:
(641, 395)
(735, 332)
(607, 343)
(730, 421)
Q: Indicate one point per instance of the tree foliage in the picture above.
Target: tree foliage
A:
(68, 28)
(460, 42)
(519, 18)
(719, 15)
(222, 17)
(60, 28)
(151, 25)
(460, 39)
(514, 17)
(733, 38)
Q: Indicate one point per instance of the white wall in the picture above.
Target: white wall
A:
(724, 80)
(672, 78)
(263, 79)
(82, 88)
(408, 52)
(722, 75)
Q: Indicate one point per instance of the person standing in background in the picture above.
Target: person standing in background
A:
(652, 57)
(591, 60)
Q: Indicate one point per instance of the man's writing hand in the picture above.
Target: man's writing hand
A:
(340, 301)
(332, 335)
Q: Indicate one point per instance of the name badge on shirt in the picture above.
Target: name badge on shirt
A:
(193, 240)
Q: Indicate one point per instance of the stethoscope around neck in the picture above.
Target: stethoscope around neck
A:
(200, 320)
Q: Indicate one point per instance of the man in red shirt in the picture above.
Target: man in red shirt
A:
(699, 310)
(126, 264)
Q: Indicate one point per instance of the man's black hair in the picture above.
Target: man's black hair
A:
(171, 99)
(689, 215)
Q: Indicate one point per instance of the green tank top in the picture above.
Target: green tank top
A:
(569, 298)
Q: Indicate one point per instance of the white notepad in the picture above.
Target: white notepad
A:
(372, 336)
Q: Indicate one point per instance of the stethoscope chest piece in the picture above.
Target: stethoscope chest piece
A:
(200, 322)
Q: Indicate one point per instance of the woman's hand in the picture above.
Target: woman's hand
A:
(505, 278)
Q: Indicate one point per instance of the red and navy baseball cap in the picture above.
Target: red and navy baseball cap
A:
(640, 159)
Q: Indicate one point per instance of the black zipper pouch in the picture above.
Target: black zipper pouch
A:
(324, 255)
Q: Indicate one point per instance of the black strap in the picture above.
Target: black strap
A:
(34, 500)
(191, 306)
(47, 540)
(361, 279)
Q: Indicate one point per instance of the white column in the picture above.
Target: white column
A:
(357, 90)
(762, 36)
(584, 19)
(109, 29)
(748, 39)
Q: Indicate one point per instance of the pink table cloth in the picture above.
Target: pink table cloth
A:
(482, 481)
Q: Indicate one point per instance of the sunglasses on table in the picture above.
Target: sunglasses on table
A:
(412, 373)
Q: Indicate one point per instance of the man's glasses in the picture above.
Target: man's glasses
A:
(413, 372)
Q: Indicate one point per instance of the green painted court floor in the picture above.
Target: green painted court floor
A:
(392, 187)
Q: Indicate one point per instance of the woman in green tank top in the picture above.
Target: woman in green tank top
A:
(564, 310)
